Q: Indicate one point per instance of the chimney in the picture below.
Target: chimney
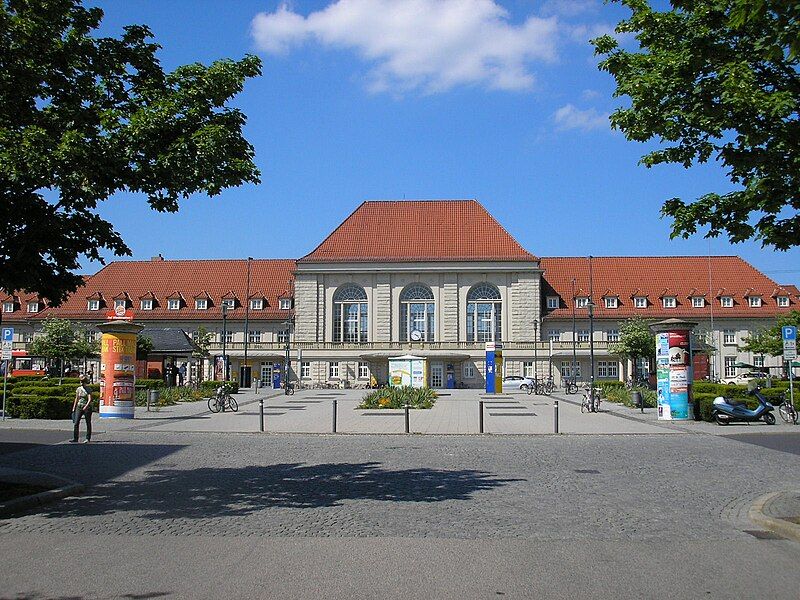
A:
(157, 258)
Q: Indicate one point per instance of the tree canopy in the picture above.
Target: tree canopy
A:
(717, 79)
(84, 117)
(769, 341)
(636, 340)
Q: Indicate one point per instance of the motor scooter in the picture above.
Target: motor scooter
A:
(727, 410)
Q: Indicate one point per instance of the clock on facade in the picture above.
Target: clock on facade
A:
(416, 335)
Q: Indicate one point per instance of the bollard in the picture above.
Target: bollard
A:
(555, 416)
(261, 412)
(408, 428)
(333, 422)
(480, 416)
(152, 397)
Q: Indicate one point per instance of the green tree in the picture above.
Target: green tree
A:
(717, 79)
(769, 341)
(144, 346)
(636, 340)
(84, 117)
(58, 340)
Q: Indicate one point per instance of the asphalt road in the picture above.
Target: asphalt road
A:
(785, 442)
(189, 515)
(15, 440)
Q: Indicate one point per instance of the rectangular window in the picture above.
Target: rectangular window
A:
(363, 370)
(754, 301)
(611, 302)
(783, 300)
(698, 302)
(230, 303)
(469, 371)
(669, 301)
(333, 370)
(613, 335)
(173, 303)
(201, 303)
(758, 361)
(581, 302)
(27, 336)
(283, 336)
(567, 370)
(552, 302)
(91, 336)
(640, 302)
(527, 369)
(9, 307)
(256, 303)
(228, 336)
(729, 336)
(254, 336)
(554, 335)
(607, 369)
(93, 305)
(285, 303)
(305, 369)
(726, 301)
(120, 303)
(642, 368)
(730, 370)
(33, 307)
(583, 335)
(146, 304)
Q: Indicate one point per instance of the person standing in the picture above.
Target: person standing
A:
(82, 407)
(182, 374)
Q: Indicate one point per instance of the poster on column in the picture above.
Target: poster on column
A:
(663, 398)
(118, 369)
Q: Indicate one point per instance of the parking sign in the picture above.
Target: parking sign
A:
(8, 341)
(8, 334)
(789, 335)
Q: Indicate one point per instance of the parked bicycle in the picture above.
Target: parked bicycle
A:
(222, 400)
(591, 401)
(787, 411)
(542, 387)
(570, 386)
(288, 388)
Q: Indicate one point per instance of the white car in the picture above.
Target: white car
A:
(516, 382)
(743, 378)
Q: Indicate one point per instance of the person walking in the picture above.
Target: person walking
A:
(82, 407)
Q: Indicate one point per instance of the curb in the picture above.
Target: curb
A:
(782, 527)
(63, 488)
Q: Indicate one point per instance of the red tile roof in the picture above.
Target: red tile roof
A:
(418, 230)
(188, 279)
(681, 276)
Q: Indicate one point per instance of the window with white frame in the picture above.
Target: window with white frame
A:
(256, 303)
(758, 361)
(285, 303)
(698, 302)
(93, 305)
(612, 335)
(468, 371)
(227, 336)
(726, 301)
(552, 302)
(27, 337)
(730, 369)
(583, 335)
(229, 303)
(607, 369)
(33, 307)
(305, 369)
(640, 302)
(484, 314)
(350, 314)
(283, 336)
(173, 303)
(610, 301)
(363, 370)
(91, 336)
(754, 301)
(581, 302)
(669, 302)
(567, 370)
(120, 303)
(8, 307)
(642, 368)
(527, 369)
(254, 336)
(729, 336)
(201, 303)
(783, 300)
(333, 370)
(146, 304)
(554, 335)
(417, 314)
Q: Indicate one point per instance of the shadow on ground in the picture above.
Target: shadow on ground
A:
(220, 492)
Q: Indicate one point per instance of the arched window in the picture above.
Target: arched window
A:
(484, 314)
(350, 314)
(417, 314)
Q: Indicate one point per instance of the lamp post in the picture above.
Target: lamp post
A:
(591, 334)
(288, 363)
(244, 371)
(535, 352)
(224, 339)
(574, 351)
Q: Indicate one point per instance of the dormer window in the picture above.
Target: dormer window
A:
(146, 304)
(782, 301)
(8, 307)
(552, 302)
(669, 302)
(640, 302)
(201, 303)
(610, 301)
(173, 303)
(120, 303)
(698, 302)
(256, 303)
(754, 301)
(33, 307)
(229, 303)
(581, 302)
(726, 301)
(93, 305)
(285, 303)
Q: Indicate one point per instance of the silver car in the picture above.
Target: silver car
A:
(516, 382)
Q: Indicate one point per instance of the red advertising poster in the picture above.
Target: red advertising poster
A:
(678, 348)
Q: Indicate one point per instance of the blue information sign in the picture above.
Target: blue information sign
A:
(8, 334)
(789, 332)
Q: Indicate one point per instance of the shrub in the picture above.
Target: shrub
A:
(399, 397)
(210, 387)
(619, 394)
(44, 407)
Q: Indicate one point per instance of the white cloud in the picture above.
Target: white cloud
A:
(433, 45)
(570, 8)
(590, 94)
(570, 117)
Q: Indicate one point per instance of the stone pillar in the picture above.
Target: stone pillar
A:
(118, 369)
(674, 369)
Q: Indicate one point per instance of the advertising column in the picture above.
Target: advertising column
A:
(118, 368)
(494, 368)
(674, 369)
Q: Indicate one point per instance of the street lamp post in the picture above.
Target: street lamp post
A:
(591, 334)
(224, 339)
(244, 371)
(574, 351)
(288, 363)
(535, 353)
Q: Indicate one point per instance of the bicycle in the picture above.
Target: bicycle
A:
(288, 388)
(591, 401)
(222, 400)
(787, 412)
(570, 386)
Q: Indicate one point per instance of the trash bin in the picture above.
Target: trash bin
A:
(152, 398)
(636, 399)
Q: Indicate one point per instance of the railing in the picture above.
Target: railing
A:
(541, 347)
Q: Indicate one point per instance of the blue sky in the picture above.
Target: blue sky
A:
(377, 99)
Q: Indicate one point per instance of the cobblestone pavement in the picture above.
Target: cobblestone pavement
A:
(658, 491)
